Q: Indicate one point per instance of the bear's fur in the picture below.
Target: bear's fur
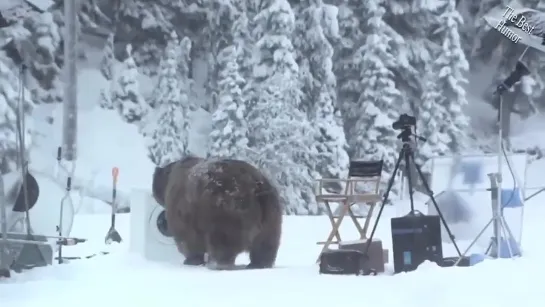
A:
(220, 208)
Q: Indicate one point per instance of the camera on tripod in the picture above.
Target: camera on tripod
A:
(404, 121)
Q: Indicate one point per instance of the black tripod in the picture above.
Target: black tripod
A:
(407, 155)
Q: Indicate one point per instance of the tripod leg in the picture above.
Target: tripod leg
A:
(509, 234)
(384, 200)
(474, 242)
(430, 193)
(407, 157)
(507, 228)
(506, 238)
(489, 248)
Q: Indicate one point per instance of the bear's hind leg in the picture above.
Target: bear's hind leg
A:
(195, 260)
(223, 249)
(222, 260)
(194, 255)
(264, 250)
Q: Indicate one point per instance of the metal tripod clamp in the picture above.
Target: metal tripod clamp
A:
(493, 177)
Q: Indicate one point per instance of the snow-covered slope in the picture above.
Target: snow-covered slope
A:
(104, 141)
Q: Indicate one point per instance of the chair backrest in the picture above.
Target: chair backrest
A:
(370, 171)
(365, 169)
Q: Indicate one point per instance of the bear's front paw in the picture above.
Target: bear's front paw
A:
(196, 260)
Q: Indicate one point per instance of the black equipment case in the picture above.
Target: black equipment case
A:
(344, 262)
(415, 238)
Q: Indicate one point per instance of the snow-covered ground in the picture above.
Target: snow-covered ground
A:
(124, 279)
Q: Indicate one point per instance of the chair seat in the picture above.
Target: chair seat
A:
(353, 198)
(325, 242)
(336, 216)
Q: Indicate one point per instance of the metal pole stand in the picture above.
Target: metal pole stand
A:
(503, 237)
(502, 232)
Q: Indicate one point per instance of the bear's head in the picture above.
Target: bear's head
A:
(160, 181)
(162, 173)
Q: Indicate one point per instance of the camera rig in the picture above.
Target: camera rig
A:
(404, 121)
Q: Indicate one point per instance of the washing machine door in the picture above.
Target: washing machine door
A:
(158, 226)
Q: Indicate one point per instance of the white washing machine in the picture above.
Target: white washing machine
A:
(149, 235)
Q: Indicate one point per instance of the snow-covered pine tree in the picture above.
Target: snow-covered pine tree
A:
(150, 25)
(330, 141)
(184, 64)
(409, 24)
(168, 141)
(167, 127)
(538, 94)
(167, 75)
(245, 36)
(127, 98)
(281, 135)
(107, 71)
(452, 67)
(229, 136)
(228, 23)
(242, 38)
(431, 122)
(168, 137)
(346, 65)
(45, 36)
(379, 103)
(221, 16)
(107, 61)
(320, 99)
(9, 100)
(485, 40)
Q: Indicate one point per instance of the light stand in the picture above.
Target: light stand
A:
(498, 221)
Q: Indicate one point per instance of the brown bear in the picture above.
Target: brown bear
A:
(220, 207)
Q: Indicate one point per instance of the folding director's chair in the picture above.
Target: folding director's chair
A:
(360, 172)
